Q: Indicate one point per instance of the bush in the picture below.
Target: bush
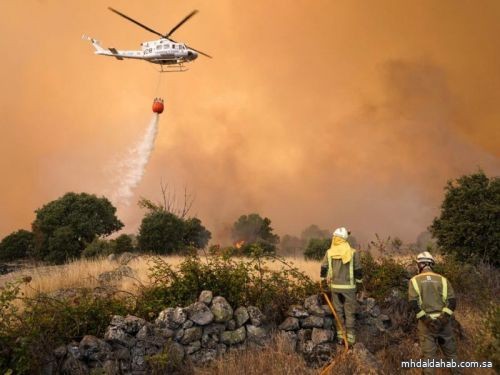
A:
(17, 245)
(489, 347)
(470, 217)
(240, 281)
(163, 232)
(291, 245)
(28, 337)
(123, 244)
(98, 248)
(469, 283)
(316, 248)
(382, 276)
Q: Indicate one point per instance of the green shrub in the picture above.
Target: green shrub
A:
(316, 248)
(469, 220)
(17, 245)
(382, 276)
(98, 248)
(469, 283)
(29, 336)
(123, 244)
(240, 281)
(489, 347)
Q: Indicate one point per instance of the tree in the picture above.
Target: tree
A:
(313, 231)
(291, 245)
(195, 234)
(17, 245)
(68, 224)
(161, 233)
(469, 222)
(63, 245)
(316, 248)
(254, 229)
(122, 244)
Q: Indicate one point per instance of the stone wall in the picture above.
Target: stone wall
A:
(207, 329)
(198, 333)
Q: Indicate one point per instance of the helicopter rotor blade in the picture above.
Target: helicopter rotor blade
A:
(180, 23)
(136, 22)
(200, 52)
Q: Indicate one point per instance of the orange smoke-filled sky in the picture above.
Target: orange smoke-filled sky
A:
(339, 113)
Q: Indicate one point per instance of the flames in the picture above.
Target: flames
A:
(239, 244)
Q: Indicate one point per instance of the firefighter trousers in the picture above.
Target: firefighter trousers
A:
(430, 341)
(344, 303)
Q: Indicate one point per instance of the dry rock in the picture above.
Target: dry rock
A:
(205, 297)
(231, 325)
(200, 314)
(297, 311)
(290, 324)
(204, 356)
(126, 257)
(241, 316)
(312, 322)
(193, 347)
(221, 310)
(256, 334)
(233, 337)
(256, 316)
(93, 349)
(191, 334)
(313, 306)
(320, 335)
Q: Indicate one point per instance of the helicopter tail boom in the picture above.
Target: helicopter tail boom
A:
(99, 49)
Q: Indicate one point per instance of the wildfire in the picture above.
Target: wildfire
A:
(239, 244)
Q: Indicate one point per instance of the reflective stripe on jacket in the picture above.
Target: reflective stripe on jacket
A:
(432, 292)
(342, 261)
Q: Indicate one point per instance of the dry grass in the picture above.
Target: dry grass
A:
(84, 273)
(277, 358)
(81, 273)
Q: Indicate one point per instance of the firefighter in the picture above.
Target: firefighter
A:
(341, 267)
(432, 298)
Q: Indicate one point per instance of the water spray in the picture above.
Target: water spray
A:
(131, 168)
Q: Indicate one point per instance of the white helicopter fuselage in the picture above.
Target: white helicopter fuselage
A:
(160, 51)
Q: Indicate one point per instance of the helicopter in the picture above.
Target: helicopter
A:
(166, 52)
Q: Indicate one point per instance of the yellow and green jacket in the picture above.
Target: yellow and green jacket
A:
(343, 265)
(431, 294)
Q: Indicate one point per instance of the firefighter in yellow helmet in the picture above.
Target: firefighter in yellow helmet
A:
(432, 298)
(341, 267)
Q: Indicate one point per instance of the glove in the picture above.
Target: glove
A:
(359, 287)
(324, 284)
(360, 291)
(444, 319)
